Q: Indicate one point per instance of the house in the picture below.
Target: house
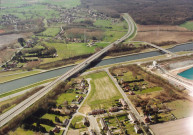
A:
(65, 122)
(147, 120)
(56, 129)
(80, 99)
(91, 132)
(114, 109)
(86, 121)
(132, 118)
(131, 93)
(137, 129)
(109, 132)
(85, 91)
(75, 107)
(103, 124)
(124, 104)
(96, 112)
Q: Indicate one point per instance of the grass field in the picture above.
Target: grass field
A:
(69, 50)
(181, 108)
(188, 25)
(103, 93)
(113, 31)
(66, 97)
(21, 131)
(51, 31)
(149, 90)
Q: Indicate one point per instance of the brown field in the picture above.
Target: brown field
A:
(177, 127)
(6, 55)
(158, 34)
(142, 28)
(2, 31)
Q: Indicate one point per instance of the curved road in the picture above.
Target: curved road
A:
(7, 116)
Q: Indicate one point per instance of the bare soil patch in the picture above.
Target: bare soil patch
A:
(142, 28)
(164, 36)
(163, 33)
(85, 109)
(73, 132)
(177, 127)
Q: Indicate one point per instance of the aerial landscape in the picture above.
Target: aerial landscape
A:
(96, 67)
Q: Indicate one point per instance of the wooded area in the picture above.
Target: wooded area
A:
(146, 12)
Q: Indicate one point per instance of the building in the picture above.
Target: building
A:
(85, 91)
(103, 124)
(132, 118)
(80, 99)
(96, 112)
(65, 122)
(109, 132)
(91, 132)
(86, 122)
(137, 129)
(114, 109)
(56, 129)
(124, 104)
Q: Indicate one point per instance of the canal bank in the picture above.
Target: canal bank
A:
(15, 84)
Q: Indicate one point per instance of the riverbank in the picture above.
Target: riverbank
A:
(181, 69)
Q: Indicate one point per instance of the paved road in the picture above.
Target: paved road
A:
(77, 112)
(7, 116)
(131, 106)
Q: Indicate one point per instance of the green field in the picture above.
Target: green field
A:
(103, 93)
(69, 50)
(149, 90)
(113, 31)
(63, 3)
(50, 32)
(188, 25)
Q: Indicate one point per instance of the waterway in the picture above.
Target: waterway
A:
(188, 74)
(15, 84)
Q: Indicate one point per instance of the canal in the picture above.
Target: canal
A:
(15, 84)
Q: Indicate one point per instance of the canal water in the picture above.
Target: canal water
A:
(15, 84)
(187, 74)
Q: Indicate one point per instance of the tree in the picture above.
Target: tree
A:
(21, 41)
(51, 132)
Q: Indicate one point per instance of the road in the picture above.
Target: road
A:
(157, 47)
(10, 114)
(131, 106)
